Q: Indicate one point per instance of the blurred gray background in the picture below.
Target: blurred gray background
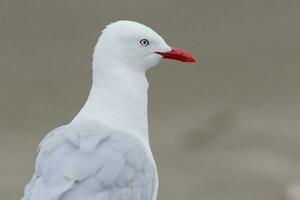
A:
(226, 128)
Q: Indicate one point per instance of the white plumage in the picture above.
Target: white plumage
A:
(104, 152)
(101, 165)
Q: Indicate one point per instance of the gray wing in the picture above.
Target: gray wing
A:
(112, 166)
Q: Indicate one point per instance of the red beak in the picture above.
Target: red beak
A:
(178, 54)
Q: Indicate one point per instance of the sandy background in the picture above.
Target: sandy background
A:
(227, 128)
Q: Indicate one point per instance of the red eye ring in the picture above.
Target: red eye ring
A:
(144, 42)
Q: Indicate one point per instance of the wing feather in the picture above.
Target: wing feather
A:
(104, 166)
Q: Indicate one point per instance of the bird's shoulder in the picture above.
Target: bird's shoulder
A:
(94, 158)
(82, 149)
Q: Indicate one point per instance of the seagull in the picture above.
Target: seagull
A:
(104, 152)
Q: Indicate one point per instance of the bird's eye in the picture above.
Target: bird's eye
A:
(144, 42)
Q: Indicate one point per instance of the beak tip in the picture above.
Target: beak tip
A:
(193, 60)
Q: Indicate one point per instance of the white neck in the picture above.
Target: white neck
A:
(118, 97)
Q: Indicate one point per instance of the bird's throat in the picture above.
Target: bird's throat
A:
(118, 98)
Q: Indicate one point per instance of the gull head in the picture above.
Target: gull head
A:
(135, 45)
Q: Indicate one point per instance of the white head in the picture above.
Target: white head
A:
(118, 97)
(135, 45)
